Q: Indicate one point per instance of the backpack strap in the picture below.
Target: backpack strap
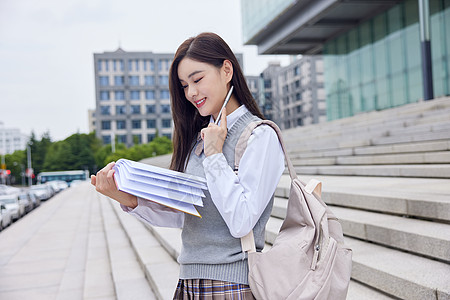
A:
(241, 145)
(248, 241)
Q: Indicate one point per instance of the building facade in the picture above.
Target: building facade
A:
(371, 49)
(294, 95)
(132, 96)
(11, 139)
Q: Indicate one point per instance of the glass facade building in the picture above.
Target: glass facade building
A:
(378, 65)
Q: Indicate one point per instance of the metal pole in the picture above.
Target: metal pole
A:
(427, 73)
(29, 164)
(3, 154)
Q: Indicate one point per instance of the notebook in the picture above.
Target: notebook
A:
(174, 189)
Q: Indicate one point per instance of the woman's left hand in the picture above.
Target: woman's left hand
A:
(214, 135)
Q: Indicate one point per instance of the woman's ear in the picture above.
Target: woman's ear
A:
(227, 70)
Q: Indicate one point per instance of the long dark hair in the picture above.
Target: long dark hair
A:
(207, 48)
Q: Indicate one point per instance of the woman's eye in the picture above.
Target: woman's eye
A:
(184, 86)
(196, 81)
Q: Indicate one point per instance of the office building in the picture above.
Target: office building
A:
(371, 49)
(132, 96)
(11, 139)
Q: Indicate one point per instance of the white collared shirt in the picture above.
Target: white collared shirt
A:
(240, 199)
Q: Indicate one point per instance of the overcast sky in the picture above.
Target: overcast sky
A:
(47, 46)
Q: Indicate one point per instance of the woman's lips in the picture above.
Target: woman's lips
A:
(200, 102)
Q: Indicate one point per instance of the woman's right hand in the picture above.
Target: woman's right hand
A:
(105, 184)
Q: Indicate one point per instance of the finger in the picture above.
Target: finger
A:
(93, 179)
(223, 118)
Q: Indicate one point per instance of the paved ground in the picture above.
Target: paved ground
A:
(58, 251)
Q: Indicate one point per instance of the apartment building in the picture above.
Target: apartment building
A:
(294, 95)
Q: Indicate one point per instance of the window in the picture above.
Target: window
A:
(150, 137)
(135, 110)
(130, 65)
(296, 71)
(119, 95)
(149, 95)
(137, 139)
(166, 123)
(106, 139)
(298, 96)
(267, 83)
(105, 110)
(300, 122)
(136, 63)
(106, 125)
(119, 80)
(164, 80)
(152, 65)
(149, 80)
(106, 65)
(121, 110)
(104, 80)
(164, 94)
(104, 95)
(151, 123)
(287, 112)
(121, 65)
(136, 124)
(134, 80)
(167, 135)
(99, 64)
(150, 109)
(165, 108)
(299, 109)
(122, 138)
(297, 84)
(134, 95)
(115, 65)
(163, 65)
(121, 124)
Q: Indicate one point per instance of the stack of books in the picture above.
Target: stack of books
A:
(174, 189)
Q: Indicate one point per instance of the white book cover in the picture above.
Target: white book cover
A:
(167, 187)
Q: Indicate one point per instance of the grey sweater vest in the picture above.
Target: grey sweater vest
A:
(209, 251)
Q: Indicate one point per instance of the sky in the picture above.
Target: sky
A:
(47, 46)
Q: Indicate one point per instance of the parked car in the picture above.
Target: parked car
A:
(5, 217)
(42, 191)
(6, 189)
(57, 185)
(12, 204)
(26, 200)
(36, 201)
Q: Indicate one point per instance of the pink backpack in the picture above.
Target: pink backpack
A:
(308, 259)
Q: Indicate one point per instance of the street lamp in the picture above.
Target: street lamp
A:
(29, 170)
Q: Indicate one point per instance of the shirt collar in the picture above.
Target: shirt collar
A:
(233, 117)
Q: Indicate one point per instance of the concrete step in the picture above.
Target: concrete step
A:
(358, 291)
(128, 276)
(426, 238)
(408, 138)
(441, 157)
(436, 126)
(429, 146)
(420, 170)
(98, 282)
(160, 269)
(421, 237)
(400, 274)
(423, 198)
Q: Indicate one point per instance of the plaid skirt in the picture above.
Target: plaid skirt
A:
(206, 289)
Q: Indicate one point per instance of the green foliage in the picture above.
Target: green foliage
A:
(78, 152)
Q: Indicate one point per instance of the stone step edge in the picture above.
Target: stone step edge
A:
(377, 270)
(160, 269)
(436, 210)
(138, 282)
(363, 225)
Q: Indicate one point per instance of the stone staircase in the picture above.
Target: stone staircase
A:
(386, 176)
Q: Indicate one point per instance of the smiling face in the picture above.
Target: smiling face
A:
(206, 86)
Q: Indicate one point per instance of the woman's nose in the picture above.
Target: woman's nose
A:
(191, 92)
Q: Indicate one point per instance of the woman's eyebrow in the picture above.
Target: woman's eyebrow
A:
(195, 72)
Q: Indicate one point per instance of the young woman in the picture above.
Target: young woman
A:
(212, 262)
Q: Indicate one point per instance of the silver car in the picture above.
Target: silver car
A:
(5, 217)
(15, 207)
